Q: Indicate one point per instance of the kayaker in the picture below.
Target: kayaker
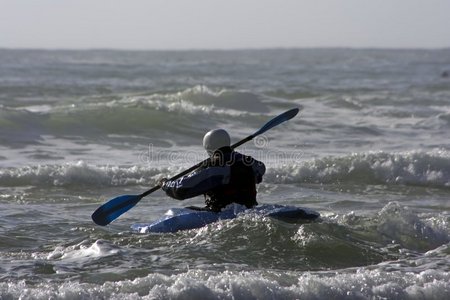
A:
(229, 177)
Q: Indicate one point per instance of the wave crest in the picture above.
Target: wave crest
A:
(408, 168)
(181, 113)
(80, 173)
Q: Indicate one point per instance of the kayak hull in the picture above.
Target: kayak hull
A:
(177, 219)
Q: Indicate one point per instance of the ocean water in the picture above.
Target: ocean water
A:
(370, 151)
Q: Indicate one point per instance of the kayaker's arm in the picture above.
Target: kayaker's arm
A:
(197, 183)
(259, 169)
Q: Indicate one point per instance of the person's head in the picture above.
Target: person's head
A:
(216, 139)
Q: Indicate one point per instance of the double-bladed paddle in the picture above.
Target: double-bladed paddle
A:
(112, 209)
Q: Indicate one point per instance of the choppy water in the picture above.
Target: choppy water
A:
(370, 151)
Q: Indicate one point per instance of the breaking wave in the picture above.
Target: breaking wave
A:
(409, 168)
(79, 173)
(406, 168)
(358, 284)
(180, 112)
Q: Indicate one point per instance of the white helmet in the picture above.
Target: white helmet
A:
(216, 139)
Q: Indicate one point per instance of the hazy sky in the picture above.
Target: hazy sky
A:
(225, 24)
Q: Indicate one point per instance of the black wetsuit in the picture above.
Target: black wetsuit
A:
(230, 177)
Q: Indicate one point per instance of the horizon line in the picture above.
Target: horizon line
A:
(221, 49)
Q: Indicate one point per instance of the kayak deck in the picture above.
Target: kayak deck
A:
(177, 219)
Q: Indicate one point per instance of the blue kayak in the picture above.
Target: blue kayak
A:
(177, 219)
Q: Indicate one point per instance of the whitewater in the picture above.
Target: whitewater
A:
(369, 150)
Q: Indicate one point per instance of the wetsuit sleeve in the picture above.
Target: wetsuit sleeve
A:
(197, 183)
(259, 169)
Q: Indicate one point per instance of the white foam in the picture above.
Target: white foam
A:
(71, 258)
(362, 283)
(412, 168)
(99, 248)
(80, 173)
(408, 168)
(199, 100)
(403, 226)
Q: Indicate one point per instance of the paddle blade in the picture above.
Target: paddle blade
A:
(112, 209)
(278, 120)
